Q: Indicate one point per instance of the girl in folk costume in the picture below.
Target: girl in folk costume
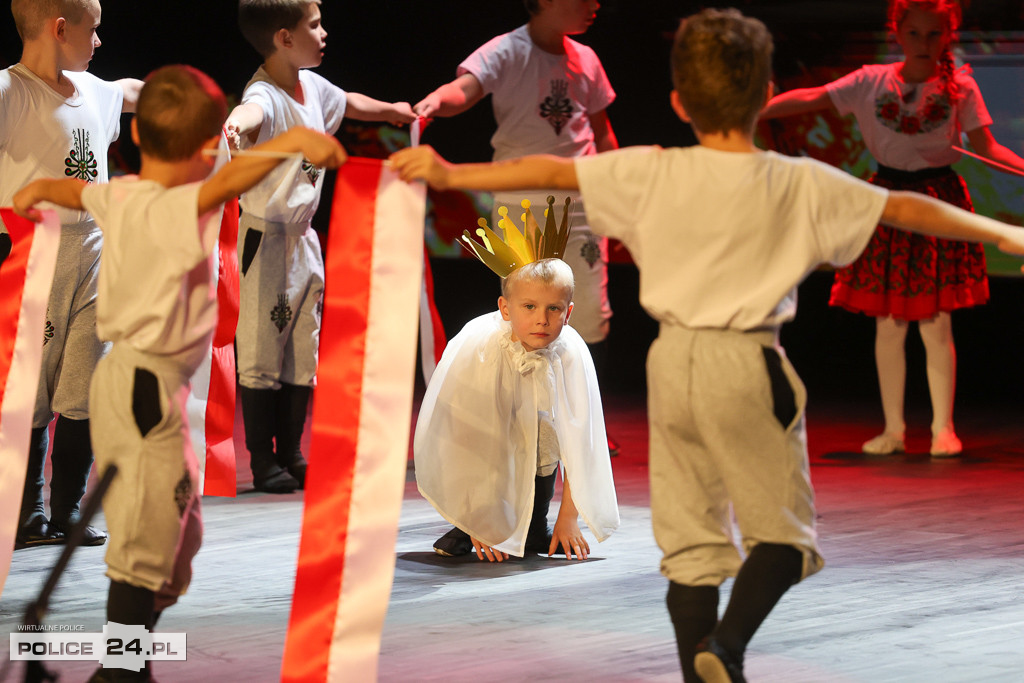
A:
(514, 395)
(911, 115)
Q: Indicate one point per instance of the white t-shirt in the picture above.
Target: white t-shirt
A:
(44, 135)
(723, 238)
(542, 101)
(908, 126)
(157, 289)
(291, 192)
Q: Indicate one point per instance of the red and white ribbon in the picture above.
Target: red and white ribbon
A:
(361, 419)
(26, 276)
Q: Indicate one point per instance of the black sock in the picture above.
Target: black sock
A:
(694, 612)
(769, 571)
(33, 510)
(128, 604)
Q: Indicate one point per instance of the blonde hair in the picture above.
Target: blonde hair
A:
(550, 271)
(30, 15)
(259, 20)
(180, 108)
(721, 69)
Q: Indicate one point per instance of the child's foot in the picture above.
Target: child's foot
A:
(90, 536)
(38, 532)
(715, 664)
(884, 444)
(455, 543)
(276, 480)
(945, 444)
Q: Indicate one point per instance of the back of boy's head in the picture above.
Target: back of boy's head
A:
(180, 108)
(31, 15)
(721, 69)
(259, 20)
(550, 271)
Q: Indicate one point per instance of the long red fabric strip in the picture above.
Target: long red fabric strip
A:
(336, 415)
(12, 280)
(26, 276)
(219, 474)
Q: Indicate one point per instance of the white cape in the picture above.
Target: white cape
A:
(476, 436)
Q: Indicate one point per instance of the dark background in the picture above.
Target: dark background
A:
(402, 49)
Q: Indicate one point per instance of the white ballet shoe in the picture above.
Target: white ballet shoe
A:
(945, 444)
(884, 444)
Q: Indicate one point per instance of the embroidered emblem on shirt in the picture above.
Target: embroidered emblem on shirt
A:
(591, 250)
(282, 313)
(183, 493)
(556, 107)
(311, 171)
(48, 332)
(933, 113)
(81, 162)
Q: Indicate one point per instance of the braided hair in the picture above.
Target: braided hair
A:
(951, 10)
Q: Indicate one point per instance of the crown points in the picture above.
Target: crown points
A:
(507, 248)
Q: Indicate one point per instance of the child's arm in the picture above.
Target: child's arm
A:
(540, 171)
(130, 89)
(929, 216)
(985, 144)
(451, 98)
(366, 108)
(242, 172)
(66, 192)
(604, 136)
(798, 101)
(245, 119)
(567, 530)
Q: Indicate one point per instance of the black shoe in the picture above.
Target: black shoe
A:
(297, 469)
(91, 535)
(455, 543)
(613, 447)
(276, 481)
(541, 544)
(40, 532)
(715, 664)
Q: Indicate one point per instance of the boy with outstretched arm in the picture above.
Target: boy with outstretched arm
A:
(56, 121)
(722, 234)
(282, 270)
(160, 315)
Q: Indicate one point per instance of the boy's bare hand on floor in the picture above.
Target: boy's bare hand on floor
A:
(568, 535)
(484, 550)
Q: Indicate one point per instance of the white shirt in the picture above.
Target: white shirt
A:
(908, 126)
(157, 288)
(291, 192)
(722, 239)
(44, 135)
(542, 101)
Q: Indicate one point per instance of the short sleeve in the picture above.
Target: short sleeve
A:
(333, 101)
(601, 94)
(487, 62)
(845, 214)
(614, 186)
(847, 92)
(971, 110)
(259, 93)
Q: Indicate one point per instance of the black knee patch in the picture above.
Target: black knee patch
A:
(783, 397)
(250, 247)
(146, 401)
(5, 246)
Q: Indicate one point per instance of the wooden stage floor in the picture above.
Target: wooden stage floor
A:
(924, 580)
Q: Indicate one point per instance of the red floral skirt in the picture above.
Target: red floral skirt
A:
(910, 276)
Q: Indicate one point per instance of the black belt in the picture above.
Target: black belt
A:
(895, 175)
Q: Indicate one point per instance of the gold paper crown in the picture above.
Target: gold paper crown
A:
(517, 248)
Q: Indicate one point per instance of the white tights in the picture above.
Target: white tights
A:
(891, 360)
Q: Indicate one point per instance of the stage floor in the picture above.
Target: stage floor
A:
(923, 580)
